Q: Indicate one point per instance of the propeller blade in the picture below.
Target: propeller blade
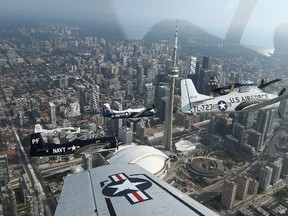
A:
(282, 92)
(263, 85)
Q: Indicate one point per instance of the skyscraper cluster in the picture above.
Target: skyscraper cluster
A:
(243, 185)
(237, 190)
(240, 134)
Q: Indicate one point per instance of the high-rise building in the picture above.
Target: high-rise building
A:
(140, 79)
(284, 171)
(52, 113)
(95, 99)
(63, 82)
(162, 91)
(126, 135)
(242, 183)
(238, 131)
(35, 205)
(151, 74)
(149, 95)
(140, 129)
(205, 63)
(25, 186)
(264, 124)
(190, 68)
(8, 199)
(34, 110)
(82, 97)
(129, 88)
(255, 140)
(173, 74)
(253, 186)
(87, 161)
(229, 190)
(212, 125)
(192, 64)
(277, 167)
(223, 125)
(21, 118)
(195, 77)
(88, 41)
(231, 142)
(4, 173)
(246, 119)
(265, 177)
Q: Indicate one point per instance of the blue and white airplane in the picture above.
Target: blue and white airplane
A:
(39, 148)
(128, 113)
(245, 98)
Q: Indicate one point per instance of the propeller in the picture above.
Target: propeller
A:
(229, 88)
(263, 85)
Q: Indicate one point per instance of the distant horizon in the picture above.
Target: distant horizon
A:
(136, 30)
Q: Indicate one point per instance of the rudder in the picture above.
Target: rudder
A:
(36, 142)
(189, 95)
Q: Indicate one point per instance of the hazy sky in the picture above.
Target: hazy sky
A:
(212, 15)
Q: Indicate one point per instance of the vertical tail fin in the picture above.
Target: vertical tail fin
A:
(38, 128)
(36, 142)
(107, 111)
(189, 95)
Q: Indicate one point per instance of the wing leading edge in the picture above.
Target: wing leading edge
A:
(124, 190)
(256, 106)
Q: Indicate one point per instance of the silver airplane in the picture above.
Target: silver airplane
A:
(245, 98)
(123, 190)
(70, 130)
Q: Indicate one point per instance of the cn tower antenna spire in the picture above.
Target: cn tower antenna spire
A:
(175, 47)
(172, 74)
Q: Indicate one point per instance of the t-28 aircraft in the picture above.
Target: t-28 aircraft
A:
(245, 98)
(70, 130)
(128, 113)
(39, 148)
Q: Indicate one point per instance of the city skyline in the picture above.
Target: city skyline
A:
(56, 64)
(133, 19)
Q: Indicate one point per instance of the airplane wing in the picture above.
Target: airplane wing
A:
(124, 190)
(140, 114)
(252, 106)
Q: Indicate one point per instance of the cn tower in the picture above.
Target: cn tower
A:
(173, 74)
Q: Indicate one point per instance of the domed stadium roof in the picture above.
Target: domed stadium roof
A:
(147, 157)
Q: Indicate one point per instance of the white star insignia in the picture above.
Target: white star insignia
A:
(73, 148)
(222, 106)
(126, 185)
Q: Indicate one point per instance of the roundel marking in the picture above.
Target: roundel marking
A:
(133, 189)
(222, 105)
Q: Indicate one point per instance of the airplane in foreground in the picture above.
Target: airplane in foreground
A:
(124, 189)
(227, 89)
(245, 98)
(39, 148)
(56, 131)
(128, 113)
